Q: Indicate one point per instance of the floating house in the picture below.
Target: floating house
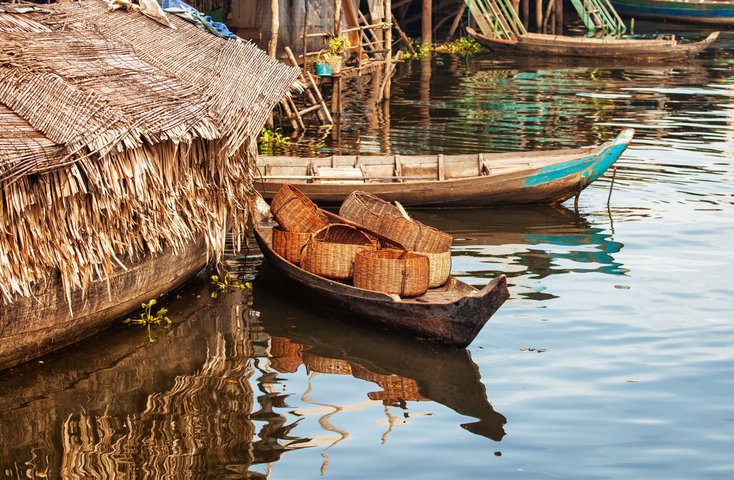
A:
(127, 145)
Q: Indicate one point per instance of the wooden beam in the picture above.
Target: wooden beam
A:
(274, 27)
(457, 20)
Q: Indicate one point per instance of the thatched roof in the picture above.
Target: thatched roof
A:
(119, 136)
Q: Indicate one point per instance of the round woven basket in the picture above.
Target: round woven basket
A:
(330, 251)
(289, 245)
(295, 212)
(392, 271)
(387, 220)
(439, 265)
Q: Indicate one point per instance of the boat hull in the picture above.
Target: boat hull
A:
(611, 48)
(33, 326)
(454, 323)
(550, 184)
(716, 13)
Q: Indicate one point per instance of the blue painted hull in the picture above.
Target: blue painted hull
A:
(706, 12)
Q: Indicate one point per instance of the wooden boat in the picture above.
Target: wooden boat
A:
(551, 176)
(639, 49)
(699, 11)
(33, 326)
(452, 314)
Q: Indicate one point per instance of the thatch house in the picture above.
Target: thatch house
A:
(121, 139)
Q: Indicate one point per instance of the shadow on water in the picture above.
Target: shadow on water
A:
(200, 400)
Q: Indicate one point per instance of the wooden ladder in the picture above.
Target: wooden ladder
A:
(314, 100)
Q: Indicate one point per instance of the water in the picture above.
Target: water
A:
(612, 358)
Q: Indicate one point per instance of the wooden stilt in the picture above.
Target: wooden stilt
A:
(427, 20)
(274, 27)
(539, 15)
(559, 17)
(525, 7)
(457, 20)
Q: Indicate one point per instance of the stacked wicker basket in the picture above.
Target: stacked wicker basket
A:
(411, 258)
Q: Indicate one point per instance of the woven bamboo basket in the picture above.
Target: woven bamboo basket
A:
(321, 364)
(330, 251)
(387, 220)
(439, 265)
(289, 245)
(392, 271)
(295, 212)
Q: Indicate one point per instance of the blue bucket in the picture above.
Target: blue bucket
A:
(322, 69)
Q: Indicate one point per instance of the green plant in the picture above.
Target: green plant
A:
(226, 283)
(338, 45)
(271, 140)
(422, 51)
(463, 47)
(147, 318)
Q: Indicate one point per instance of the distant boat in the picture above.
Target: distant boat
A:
(469, 180)
(632, 49)
(699, 11)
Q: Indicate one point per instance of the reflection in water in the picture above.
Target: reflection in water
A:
(132, 409)
(526, 243)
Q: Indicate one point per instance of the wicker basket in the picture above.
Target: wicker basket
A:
(386, 219)
(330, 251)
(295, 212)
(439, 265)
(289, 245)
(392, 271)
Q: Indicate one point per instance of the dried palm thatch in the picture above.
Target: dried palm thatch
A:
(120, 136)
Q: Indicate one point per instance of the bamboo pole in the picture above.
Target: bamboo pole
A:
(457, 20)
(539, 15)
(337, 18)
(274, 27)
(525, 8)
(426, 20)
(402, 34)
(387, 37)
(559, 17)
(305, 34)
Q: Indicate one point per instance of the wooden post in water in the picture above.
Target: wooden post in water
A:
(539, 15)
(525, 12)
(387, 39)
(559, 17)
(274, 26)
(426, 22)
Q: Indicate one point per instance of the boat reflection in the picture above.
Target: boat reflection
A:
(405, 370)
(526, 244)
(207, 398)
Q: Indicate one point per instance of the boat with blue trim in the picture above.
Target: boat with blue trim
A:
(443, 181)
(698, 11)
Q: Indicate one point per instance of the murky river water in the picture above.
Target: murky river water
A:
(614, 357)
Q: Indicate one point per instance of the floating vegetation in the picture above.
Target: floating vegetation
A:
(147, 318)
(422, 51)
(463, 47)
(271, 141)
(226, 284)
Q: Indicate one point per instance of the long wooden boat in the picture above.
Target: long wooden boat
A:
(700, 11)
(33, 326)
(477, 180)
(638, 49)
(452, 314)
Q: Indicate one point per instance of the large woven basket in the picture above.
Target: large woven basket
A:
(387, 220)
(330, 251)
(295, 212)
(439, 265)
(392, 271)
(289, 245)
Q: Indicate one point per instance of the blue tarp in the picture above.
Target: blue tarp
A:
(189, 13)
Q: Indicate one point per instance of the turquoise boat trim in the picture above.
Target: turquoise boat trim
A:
(590, 168)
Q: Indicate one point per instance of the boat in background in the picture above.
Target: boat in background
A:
(640, 49)
(700, 11)
(470, 180)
